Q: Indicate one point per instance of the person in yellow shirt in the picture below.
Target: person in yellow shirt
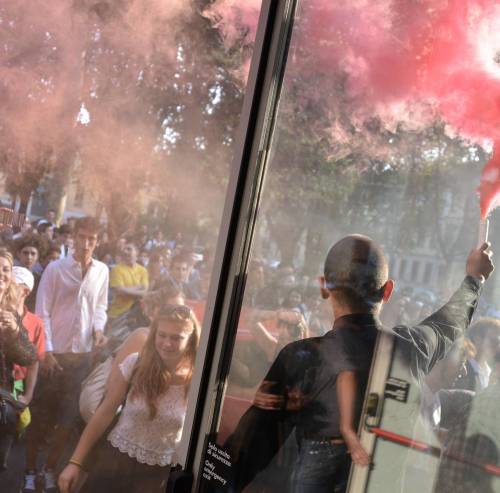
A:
(128, 282)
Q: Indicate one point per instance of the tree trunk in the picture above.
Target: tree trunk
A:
(120, 221)
(24, 199)
(60, 185)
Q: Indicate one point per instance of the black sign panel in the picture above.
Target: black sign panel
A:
(397, 389)
(216, 468)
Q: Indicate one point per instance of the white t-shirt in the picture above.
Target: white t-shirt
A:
(149, 441)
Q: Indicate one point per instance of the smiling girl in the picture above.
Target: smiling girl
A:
(15, 346)
(139, 450)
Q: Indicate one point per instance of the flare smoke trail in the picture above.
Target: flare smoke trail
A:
(489, 188)
(406, 63)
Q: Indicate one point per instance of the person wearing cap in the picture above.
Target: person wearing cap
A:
(34, 326)
(316, 385)
(28, 375)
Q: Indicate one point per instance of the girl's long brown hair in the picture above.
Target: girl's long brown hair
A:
(10, 298)
(151, 379)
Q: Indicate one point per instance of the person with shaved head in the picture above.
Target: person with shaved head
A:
(316, 386)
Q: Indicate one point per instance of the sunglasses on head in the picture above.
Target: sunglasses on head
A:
(180, 311)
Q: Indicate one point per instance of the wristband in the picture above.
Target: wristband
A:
(75, 463)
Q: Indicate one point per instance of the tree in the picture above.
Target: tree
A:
(375, 96)
(142, 96)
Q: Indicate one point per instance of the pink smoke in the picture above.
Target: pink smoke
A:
(400, 55)
(237, 22)
(40, 74)
(489, 188)
(60, 58)
(235, 19)
(407, 64)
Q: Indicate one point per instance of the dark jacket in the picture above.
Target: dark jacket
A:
(15, 350)
(421, 347)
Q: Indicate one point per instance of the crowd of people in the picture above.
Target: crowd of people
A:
(98, 341)
(313, 387)
(79, 312)
(96, 312)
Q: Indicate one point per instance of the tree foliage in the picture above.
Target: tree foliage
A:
(137, 99)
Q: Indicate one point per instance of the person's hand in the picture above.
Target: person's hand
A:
(265, 400)
(359, 455)
(25, 398)
(100, 340)
(479, 264)
(295, 400)
(50, 364)
(69, 477)
(8, 323)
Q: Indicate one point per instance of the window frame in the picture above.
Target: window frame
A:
(236, 234)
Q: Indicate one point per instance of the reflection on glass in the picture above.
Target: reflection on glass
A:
(381, 131)
(117, 131)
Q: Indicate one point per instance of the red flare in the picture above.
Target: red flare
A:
(489, 188)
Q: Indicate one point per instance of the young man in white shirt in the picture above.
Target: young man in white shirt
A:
(72, 301)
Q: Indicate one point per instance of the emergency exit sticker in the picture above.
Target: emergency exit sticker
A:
(397, 389)
(216, 470)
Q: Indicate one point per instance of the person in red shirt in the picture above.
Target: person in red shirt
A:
(34, 325)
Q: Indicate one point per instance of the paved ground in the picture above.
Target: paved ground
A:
(11, 480)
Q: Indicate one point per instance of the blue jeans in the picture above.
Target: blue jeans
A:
(321, 467)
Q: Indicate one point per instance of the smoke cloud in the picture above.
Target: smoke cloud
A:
(114, 93)
(63, 63)
(235, 19)
(409, 62)
(237, 23)
(403, 63)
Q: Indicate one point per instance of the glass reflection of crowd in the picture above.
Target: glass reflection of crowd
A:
(281, 308)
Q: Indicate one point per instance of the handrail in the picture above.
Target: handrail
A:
(431, 449)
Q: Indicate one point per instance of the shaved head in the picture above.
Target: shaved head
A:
(356, 271)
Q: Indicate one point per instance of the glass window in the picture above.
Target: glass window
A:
(429, 268)
(415, 269)
(124, 113)
(371, 138)
(403, 266)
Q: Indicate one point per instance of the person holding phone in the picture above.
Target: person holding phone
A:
(15, 346)
(15, 349)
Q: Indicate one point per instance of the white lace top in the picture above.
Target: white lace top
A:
(149, 441)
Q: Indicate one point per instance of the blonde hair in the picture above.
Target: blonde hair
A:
(10, 299)
(151, 378)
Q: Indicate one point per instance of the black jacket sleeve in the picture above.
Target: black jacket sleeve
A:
(429, 341)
